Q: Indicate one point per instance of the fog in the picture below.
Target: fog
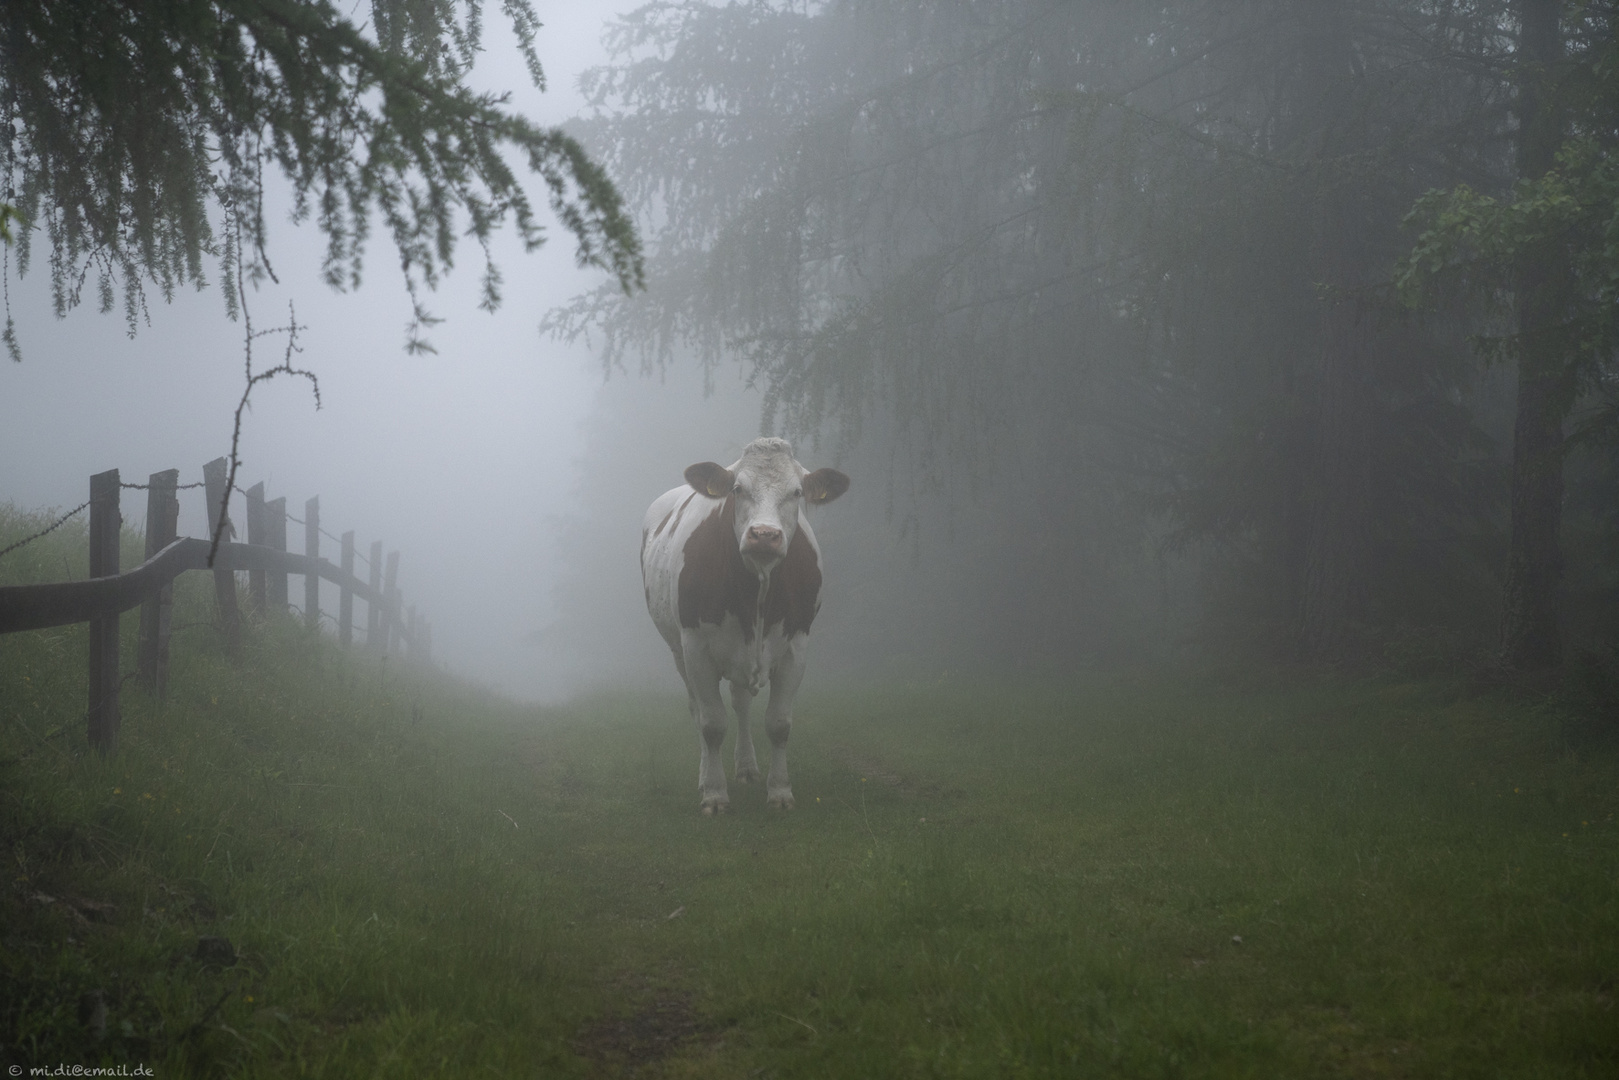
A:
(462, 461)
(1120, 378)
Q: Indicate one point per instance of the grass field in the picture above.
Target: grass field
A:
(1270, 877)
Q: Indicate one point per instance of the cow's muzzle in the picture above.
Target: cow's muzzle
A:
(763, 540)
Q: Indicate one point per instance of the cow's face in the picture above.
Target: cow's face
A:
(766, 488)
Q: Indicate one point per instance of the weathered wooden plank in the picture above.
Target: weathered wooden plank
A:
(215, 475)
(257, 534)
(63, 603)
(162, 526)
(390, 607)
(105, 525)
(312, 549)
(345, 603)
(373, 608)
(275, 520)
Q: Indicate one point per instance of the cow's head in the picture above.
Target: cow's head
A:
(767, 487)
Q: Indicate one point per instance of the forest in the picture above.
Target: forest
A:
(1259, 331)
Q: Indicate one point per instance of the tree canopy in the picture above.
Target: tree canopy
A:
(137, 139)
(1125, 268)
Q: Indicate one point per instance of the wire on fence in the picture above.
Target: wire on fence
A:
(339, 540)
(147, 487)
(300, 521)
(45, 531)
(177, 487)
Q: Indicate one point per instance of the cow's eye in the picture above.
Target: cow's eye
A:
(737, 489)
(797, 492)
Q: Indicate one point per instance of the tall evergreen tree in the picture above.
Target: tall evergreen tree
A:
(1117, 265)
(1544, 257)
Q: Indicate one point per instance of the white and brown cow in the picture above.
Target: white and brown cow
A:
(733, 581)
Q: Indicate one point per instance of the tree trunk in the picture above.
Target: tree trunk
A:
(1338, 495)
(1530, 636)
(1335, 559)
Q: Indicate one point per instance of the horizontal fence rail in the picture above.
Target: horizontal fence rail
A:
(63, 603)
(109, 591)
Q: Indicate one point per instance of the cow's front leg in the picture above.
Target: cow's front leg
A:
(784, 680)
(703, 680)
(747, 762)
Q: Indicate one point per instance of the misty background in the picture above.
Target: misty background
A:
(462, 460)
(1109, 390)
(482, 464)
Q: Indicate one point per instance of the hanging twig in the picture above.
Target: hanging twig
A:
(254, 378)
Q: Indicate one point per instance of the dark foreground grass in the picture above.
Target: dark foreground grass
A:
(1132, 878)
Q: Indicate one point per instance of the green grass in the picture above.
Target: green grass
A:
(984, 881)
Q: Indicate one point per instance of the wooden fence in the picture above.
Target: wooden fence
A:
(108, 592)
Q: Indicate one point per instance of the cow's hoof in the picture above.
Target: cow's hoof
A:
(712, 807)
(748, 776)
(780, 801)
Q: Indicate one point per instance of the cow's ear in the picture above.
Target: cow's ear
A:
(824, 485)
(712, 480)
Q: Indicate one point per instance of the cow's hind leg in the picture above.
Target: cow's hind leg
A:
(784, 680)
(747, 762)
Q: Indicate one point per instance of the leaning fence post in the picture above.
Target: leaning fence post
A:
(105, 525)
(275, 525)
(162, 526)
(345, 603)
(390, 607)
(373, 606)
(256, 535)
(214, 475)
(312, 549)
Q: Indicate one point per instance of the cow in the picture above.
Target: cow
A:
(732, 576)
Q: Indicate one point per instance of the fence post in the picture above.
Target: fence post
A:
(275, 524)
(413, 650)
(256, 535)
(345, 603)
(390, 609)
(105, 524)
(162, 526)
(312, 549)
(373, 608)
(230, 619)
(427, 642)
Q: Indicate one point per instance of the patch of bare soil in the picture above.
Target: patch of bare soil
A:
(874, 770)
(625, 1044)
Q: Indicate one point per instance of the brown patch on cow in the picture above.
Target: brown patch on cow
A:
(711, 574)
(714, 581)
(795, 588)
(659, 530)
